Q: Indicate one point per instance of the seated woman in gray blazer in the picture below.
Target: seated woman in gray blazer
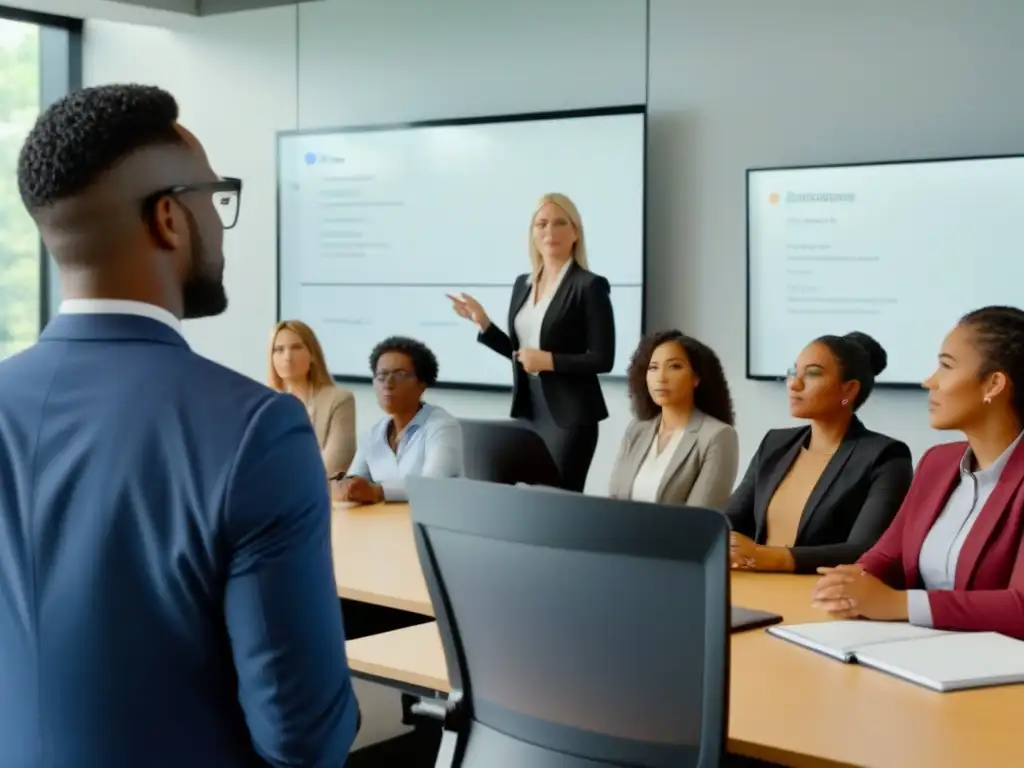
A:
(821, 495)
(681, 448)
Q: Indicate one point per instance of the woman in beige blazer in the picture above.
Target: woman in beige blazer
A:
(298, 366)
(681, 448)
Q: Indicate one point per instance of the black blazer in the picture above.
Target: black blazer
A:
(849, 509)
(579, 332)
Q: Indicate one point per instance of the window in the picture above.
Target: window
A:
(40, 61)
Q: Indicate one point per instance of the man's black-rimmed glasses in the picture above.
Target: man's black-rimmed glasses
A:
(226, 191)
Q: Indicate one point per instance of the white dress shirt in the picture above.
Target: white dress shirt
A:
(120, 307)
(652, 471)
(430, 446)
(940, 551)
(530, 317)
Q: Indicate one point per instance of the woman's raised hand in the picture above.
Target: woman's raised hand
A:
(468, 307)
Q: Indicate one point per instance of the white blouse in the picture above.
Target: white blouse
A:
(652, 470)
(530, 317)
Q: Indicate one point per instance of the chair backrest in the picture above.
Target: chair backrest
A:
(578, 631)
(507, 452)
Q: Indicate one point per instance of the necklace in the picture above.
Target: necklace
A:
(395, 434)
(663, 430)
(664, 437)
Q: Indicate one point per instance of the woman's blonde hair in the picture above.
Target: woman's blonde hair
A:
(579, 249)
(319, 376)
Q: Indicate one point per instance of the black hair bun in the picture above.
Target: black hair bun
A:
(876, 352)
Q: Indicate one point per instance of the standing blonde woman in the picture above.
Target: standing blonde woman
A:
(561, 336)
(298, 366)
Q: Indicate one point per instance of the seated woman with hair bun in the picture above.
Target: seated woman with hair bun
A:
(822, 494)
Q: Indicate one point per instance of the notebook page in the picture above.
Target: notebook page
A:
(955, 661)
(843, 639)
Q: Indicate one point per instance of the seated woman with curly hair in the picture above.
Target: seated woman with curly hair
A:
(681, 448)
(413, 439)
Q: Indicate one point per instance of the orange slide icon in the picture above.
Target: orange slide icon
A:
(773, 198)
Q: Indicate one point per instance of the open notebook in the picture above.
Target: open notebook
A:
(942, 661)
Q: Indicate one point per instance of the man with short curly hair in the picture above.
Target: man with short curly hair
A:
(127, 202)
(168, 596)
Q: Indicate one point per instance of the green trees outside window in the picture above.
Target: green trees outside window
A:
(21, 290)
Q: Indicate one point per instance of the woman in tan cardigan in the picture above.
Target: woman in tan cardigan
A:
(298, 366)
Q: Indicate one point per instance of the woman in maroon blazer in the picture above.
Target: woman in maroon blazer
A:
(953, 557)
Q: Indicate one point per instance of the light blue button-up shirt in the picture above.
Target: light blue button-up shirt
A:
(431, 446)
(940, 551)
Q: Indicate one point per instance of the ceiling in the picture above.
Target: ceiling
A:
(210, 7)
(145, 11)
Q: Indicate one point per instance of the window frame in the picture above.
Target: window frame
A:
(60, 73)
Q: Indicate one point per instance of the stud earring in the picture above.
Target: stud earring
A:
(987, 400)
(845, 401)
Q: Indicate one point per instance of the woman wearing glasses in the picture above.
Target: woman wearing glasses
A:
(561, 336)
(822, 494)
(414, 438)
(298, 366)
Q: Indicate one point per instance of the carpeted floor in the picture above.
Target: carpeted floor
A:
(414, 750)
(419, 750)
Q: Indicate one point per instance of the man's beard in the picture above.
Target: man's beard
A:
(203, 294)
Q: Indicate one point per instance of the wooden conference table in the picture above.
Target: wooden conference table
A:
(787, 704)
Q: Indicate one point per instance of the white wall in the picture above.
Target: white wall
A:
(733, 84)
(742, 83)
(234, 77)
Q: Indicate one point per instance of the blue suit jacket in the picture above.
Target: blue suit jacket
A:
(167, 596)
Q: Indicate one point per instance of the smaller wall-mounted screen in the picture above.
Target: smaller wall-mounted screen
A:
(897, 250)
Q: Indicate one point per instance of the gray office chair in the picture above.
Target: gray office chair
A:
(508, 452)
(580, 632)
